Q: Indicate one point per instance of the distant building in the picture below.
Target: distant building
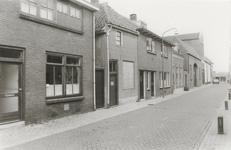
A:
(208, 67)
(222, 76)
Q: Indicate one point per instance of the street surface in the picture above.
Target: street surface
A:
(177, 124)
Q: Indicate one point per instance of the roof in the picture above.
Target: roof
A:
(107, 15)
(188, 48)
(190, 36)
(153, 35)
(208, 61)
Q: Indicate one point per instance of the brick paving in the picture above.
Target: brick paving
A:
(213, 140)
(179, 123)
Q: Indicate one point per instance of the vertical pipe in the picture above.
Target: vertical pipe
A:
(93, 31)
(108, 71)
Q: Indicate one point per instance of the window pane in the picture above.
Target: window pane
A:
(58, 80)
(69, 80)
(50, 4)
(65, 9)
(33, 9)
(10, 53)
(59, 7)
(54, 59)
(72, 61)
(49, 81)
(72, 12)
(76, 79)
(43, 13)
(25, 7)
(78, 13)
(43, 3)
(50, 15)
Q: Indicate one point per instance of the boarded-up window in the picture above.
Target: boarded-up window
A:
(128, 75)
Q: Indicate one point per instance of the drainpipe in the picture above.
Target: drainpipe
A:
(93, 30)
(108, 72)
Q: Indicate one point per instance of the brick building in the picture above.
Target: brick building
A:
(116, 58)
(193, 63)
(46, 59)
(150, 64)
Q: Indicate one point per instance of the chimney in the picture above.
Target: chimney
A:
(95, 1)
(133, 17)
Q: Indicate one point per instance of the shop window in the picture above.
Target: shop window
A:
(63, 75)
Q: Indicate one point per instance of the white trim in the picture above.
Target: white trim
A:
(86, 4)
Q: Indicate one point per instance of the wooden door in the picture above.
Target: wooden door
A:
(10, 92)
(113, 90)
(99, 81)
(141, 84)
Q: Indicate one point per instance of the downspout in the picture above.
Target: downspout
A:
(108, 72)
(93, 30)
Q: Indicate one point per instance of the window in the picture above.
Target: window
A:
(128, 75)
(150, 45)
(164, 51)
(29, 6)
(190, 72)
(112, 66)
(63, 75)
(65, 15)
(119, 38)
(166, 79)
(46, 9)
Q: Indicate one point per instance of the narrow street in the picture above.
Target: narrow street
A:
(179, 123)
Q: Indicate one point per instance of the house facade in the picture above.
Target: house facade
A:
(46, 59)
(208, 67)
(155, 67)
(116, 58)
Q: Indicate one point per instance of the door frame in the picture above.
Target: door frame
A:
(102, 70)
(114, 72)
(20, 62)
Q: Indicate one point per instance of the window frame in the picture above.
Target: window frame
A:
(54, 21)
(167, 79)
(121, 38)
(150, 44)
(64, 65)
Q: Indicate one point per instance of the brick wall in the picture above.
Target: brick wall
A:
(153, 62)
(37, 39)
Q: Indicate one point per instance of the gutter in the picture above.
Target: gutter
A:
(108, 73)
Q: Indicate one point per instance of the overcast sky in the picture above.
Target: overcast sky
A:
(212, 18)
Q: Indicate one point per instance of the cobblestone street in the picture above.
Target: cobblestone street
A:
(179, 123)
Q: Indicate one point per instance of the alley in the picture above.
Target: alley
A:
(179, 123)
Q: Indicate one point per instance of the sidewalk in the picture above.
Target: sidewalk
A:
(21, 134)
(213, 140)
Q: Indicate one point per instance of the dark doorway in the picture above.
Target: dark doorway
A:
(152, 84)
(203, 77)
(113, 90)
(195, 74)
(99, 81)
(141, 84)
(186, 81)
(11, 92)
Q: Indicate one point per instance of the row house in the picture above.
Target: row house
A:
(116, 58)
(193, 74)
(46, 59)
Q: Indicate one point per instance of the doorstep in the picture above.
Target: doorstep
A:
(12, 124)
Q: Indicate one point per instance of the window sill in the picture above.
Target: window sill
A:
(49, 23)
(63, 100)
(166, 87)
(151, 53)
